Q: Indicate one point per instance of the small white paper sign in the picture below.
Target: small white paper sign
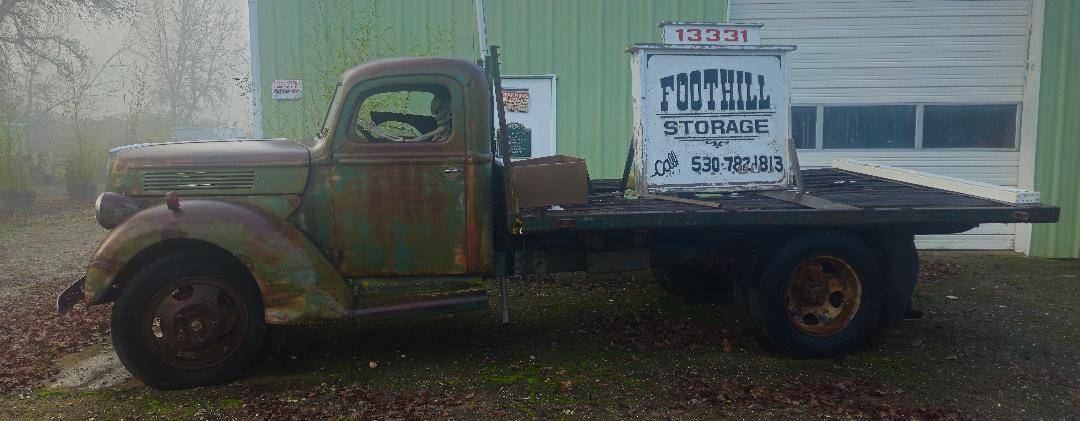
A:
(286, 89)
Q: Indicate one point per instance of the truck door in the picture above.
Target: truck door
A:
(398, 179)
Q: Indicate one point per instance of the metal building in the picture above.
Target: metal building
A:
(975, 89)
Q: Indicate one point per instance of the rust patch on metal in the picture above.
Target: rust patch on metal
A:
(823, 295)
(296, 281)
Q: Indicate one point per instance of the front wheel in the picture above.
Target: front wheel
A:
(821, 294)
(187, 320)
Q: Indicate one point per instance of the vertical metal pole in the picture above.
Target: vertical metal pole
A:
(626, 167)
(256, 76)
(795, 167)
(481, 31)
(504, 300)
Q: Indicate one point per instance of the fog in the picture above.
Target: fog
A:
(103, 40)
(80, 77)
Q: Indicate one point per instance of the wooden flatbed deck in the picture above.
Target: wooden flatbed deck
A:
(837, 199)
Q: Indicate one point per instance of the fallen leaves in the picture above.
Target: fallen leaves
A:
(936, 270)
(353, 401)
(35, 336)
(652, 331)
(43, 251)
(855, 399)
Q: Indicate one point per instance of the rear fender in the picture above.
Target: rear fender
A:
(296, 280)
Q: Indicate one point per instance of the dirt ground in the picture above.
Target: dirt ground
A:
(1001, 342)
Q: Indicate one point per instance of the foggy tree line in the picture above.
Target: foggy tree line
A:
(173, 65)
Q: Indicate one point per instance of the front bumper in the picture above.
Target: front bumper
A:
(71, 296)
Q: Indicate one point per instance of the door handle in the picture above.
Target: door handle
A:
(453, 170)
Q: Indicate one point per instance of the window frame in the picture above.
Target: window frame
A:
(819, 141)
(457, 110)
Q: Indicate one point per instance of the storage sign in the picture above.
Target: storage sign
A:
(711, 118)
(286, 89)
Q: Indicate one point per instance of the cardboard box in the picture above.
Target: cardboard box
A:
(550, 180)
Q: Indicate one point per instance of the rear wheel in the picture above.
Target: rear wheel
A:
(821, 294)
(188, 320)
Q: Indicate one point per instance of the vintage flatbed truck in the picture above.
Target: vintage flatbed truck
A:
(212, 241)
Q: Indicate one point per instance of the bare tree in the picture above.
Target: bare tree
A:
(29, 34)
(86, 90)
(191, 52)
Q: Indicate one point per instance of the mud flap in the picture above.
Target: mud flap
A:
(71, 296)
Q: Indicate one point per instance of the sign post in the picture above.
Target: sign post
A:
(710, 118)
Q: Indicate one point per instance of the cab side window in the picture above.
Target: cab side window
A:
(418, 114)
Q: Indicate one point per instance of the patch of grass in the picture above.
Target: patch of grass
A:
(229, 403)
(46, 394)
(156, 407)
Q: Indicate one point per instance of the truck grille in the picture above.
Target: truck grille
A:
(198, 180)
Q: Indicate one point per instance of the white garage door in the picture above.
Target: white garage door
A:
(935, 86)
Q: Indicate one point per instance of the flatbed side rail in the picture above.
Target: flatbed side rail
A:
(1010, 195)
(931, 219)
(834, 198)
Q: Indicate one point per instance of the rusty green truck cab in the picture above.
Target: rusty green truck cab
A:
(316, 225)
(212, 240)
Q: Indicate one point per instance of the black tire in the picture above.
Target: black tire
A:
(228, 339)
(845, 255)
(900, 268)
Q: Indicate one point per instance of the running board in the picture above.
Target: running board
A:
(424, 308)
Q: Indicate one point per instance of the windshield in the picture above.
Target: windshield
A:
(331, 118)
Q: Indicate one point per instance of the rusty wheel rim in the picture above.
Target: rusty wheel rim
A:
(823, 295)
(195, 323)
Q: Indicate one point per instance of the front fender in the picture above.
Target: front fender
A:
(296, 280)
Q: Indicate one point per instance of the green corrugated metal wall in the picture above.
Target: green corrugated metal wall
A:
(582, 42)
(1057, 156)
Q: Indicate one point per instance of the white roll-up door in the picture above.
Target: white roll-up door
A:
(933, 61)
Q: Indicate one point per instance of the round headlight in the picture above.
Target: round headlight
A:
(113, 208)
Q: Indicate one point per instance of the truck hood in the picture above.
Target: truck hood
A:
(210, 153)
(210, 167)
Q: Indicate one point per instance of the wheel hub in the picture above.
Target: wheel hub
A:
(823, 295)
(196, 323)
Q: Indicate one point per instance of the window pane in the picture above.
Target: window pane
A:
(804, 127)
(969, 126)
(415, 115)
(878, 126)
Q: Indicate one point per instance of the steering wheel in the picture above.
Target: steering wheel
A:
(393, 131)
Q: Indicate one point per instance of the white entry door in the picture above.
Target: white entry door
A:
(530, 115)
